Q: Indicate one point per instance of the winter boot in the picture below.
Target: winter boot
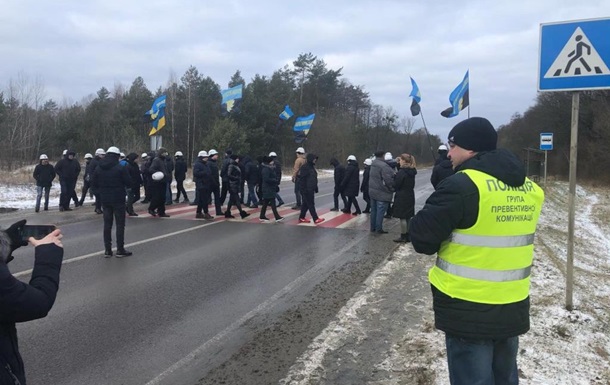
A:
(401, 239)
(244, 214)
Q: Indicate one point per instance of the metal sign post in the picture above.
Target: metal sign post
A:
(574, 56)
(546, 144)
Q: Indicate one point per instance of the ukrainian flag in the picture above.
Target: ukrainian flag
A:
(459, 98)
(157, 115)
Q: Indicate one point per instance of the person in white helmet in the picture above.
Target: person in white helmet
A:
(442, 167)
(100, 153)
(86, 179)
(278, 175)
(364, 187)
(67, 169)
(215, 187)
(147, 159)
(44, 173)
(202, 176)
(298, 162)
(180, 176)
(350, 185)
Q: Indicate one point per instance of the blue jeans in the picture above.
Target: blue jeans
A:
(378, 209)
(251, 195)
(482, 361)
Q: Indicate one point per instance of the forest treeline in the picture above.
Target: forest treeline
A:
(347, 120)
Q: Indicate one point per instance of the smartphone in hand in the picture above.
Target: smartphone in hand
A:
(36, 231)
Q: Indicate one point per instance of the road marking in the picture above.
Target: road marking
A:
(263, 307)
(86, 256)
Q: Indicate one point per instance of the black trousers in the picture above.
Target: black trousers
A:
(204, 200)
(269, 202)
(215, 190)
(180, 188)
(223, 192)
(336, 194)
(234, 199)
(86, 187)
(309, 203)
(67, 192)
(157, 196)
(353, 200)
(114, 211)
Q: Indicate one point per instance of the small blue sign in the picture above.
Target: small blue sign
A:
(574, 55)
(546, 141)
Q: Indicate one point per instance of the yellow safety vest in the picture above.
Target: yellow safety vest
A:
(491, 261)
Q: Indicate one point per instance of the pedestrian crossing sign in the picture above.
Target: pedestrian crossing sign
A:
(574, 55)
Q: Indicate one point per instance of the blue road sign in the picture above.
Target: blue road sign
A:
(546, 141)
(574, 55)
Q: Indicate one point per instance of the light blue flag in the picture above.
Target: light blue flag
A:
(415, 94)
(229, 96)
(287, 113)
(459, 98)
(303, 123)
(158, 105)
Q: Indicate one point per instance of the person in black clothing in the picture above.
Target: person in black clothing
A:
(278, 175)
(350, 184)
(442, 167)
(234, 175)
(269, 187)
(133, 192)
(364, 187)
(215, 187)
(404, 196)
(86, 179)
(158, 188)
(22, 302)
(252, 177)
(180, 175)
(242, 168)
(309, 187)
(202, 175)
(100, 153)
(111, 179)
(67, 169)
(145, 162)
(224, 176)
(44, 173)
(393, 163)
(169, 166)
(339, 173)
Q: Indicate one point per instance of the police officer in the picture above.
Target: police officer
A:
(481, 221)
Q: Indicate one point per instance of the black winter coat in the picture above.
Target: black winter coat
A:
(21, 302)
(269, 185)
(159, 164)
(253, 174)
(110, 180)
(180, 170)
(404, 197)
(351, 179)
(308, 176)
(441, 171)
(364, 187)
(234, 177)
(215, 174)
(67, 169)
(339, 173)
(202, 175)
(44, 175)
(225, 169)
(134, 174)
(455, 205)
(169, 167)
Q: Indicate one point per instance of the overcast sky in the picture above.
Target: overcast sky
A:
(76, 47)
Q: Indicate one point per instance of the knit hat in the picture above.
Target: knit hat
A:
(233, 156)
(475, 134)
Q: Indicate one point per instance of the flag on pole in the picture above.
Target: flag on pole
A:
(229, 96)
(416, 95)
(287, 113)
(459, 99)
(302, 125)
(157, 115)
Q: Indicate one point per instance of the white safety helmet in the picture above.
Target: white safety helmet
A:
(178, 153)
(351, 157)
(202, 154)
(388, 156)
(442, 147)
(272, 154)
(144, 155)
(113, 150)
(88, 156)
(65, 152)
(44, 157)
(100, 151)
(158, 175)
(122, 155)
(212, 152)
(368, 161)
(300, 150)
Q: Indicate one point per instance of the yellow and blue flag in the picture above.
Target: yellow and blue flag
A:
(229, 96)
(157, 115)
(459, 98)
(302, 125)
(416, 95)
(287, 113)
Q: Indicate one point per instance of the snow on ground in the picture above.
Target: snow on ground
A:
(562, 347)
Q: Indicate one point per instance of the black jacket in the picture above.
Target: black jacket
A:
(339, 172)
(134, 171)
(169, 167)
(215, 173)
(202, 175)
(309, 176)
(159, 164)
(180, 170)
(455, 205)
(252, 173)
(67, 169)
(269, 184)
(234, 177)
(110, 180)
(441, 170)
(404, 197)
(364, 187)
(44, 174)
(21, 302)
(351, 179)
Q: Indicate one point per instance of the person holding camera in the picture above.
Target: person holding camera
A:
(20, 301)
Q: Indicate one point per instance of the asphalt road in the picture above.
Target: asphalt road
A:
(194, 295)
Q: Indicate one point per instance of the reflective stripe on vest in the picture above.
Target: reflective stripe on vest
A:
(483, 275)
(492, 241)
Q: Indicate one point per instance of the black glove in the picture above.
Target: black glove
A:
(14, 235)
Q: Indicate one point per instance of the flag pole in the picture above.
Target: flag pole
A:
(427, 133)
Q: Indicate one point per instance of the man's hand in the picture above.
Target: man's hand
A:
(54, 237)
(14, 233)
